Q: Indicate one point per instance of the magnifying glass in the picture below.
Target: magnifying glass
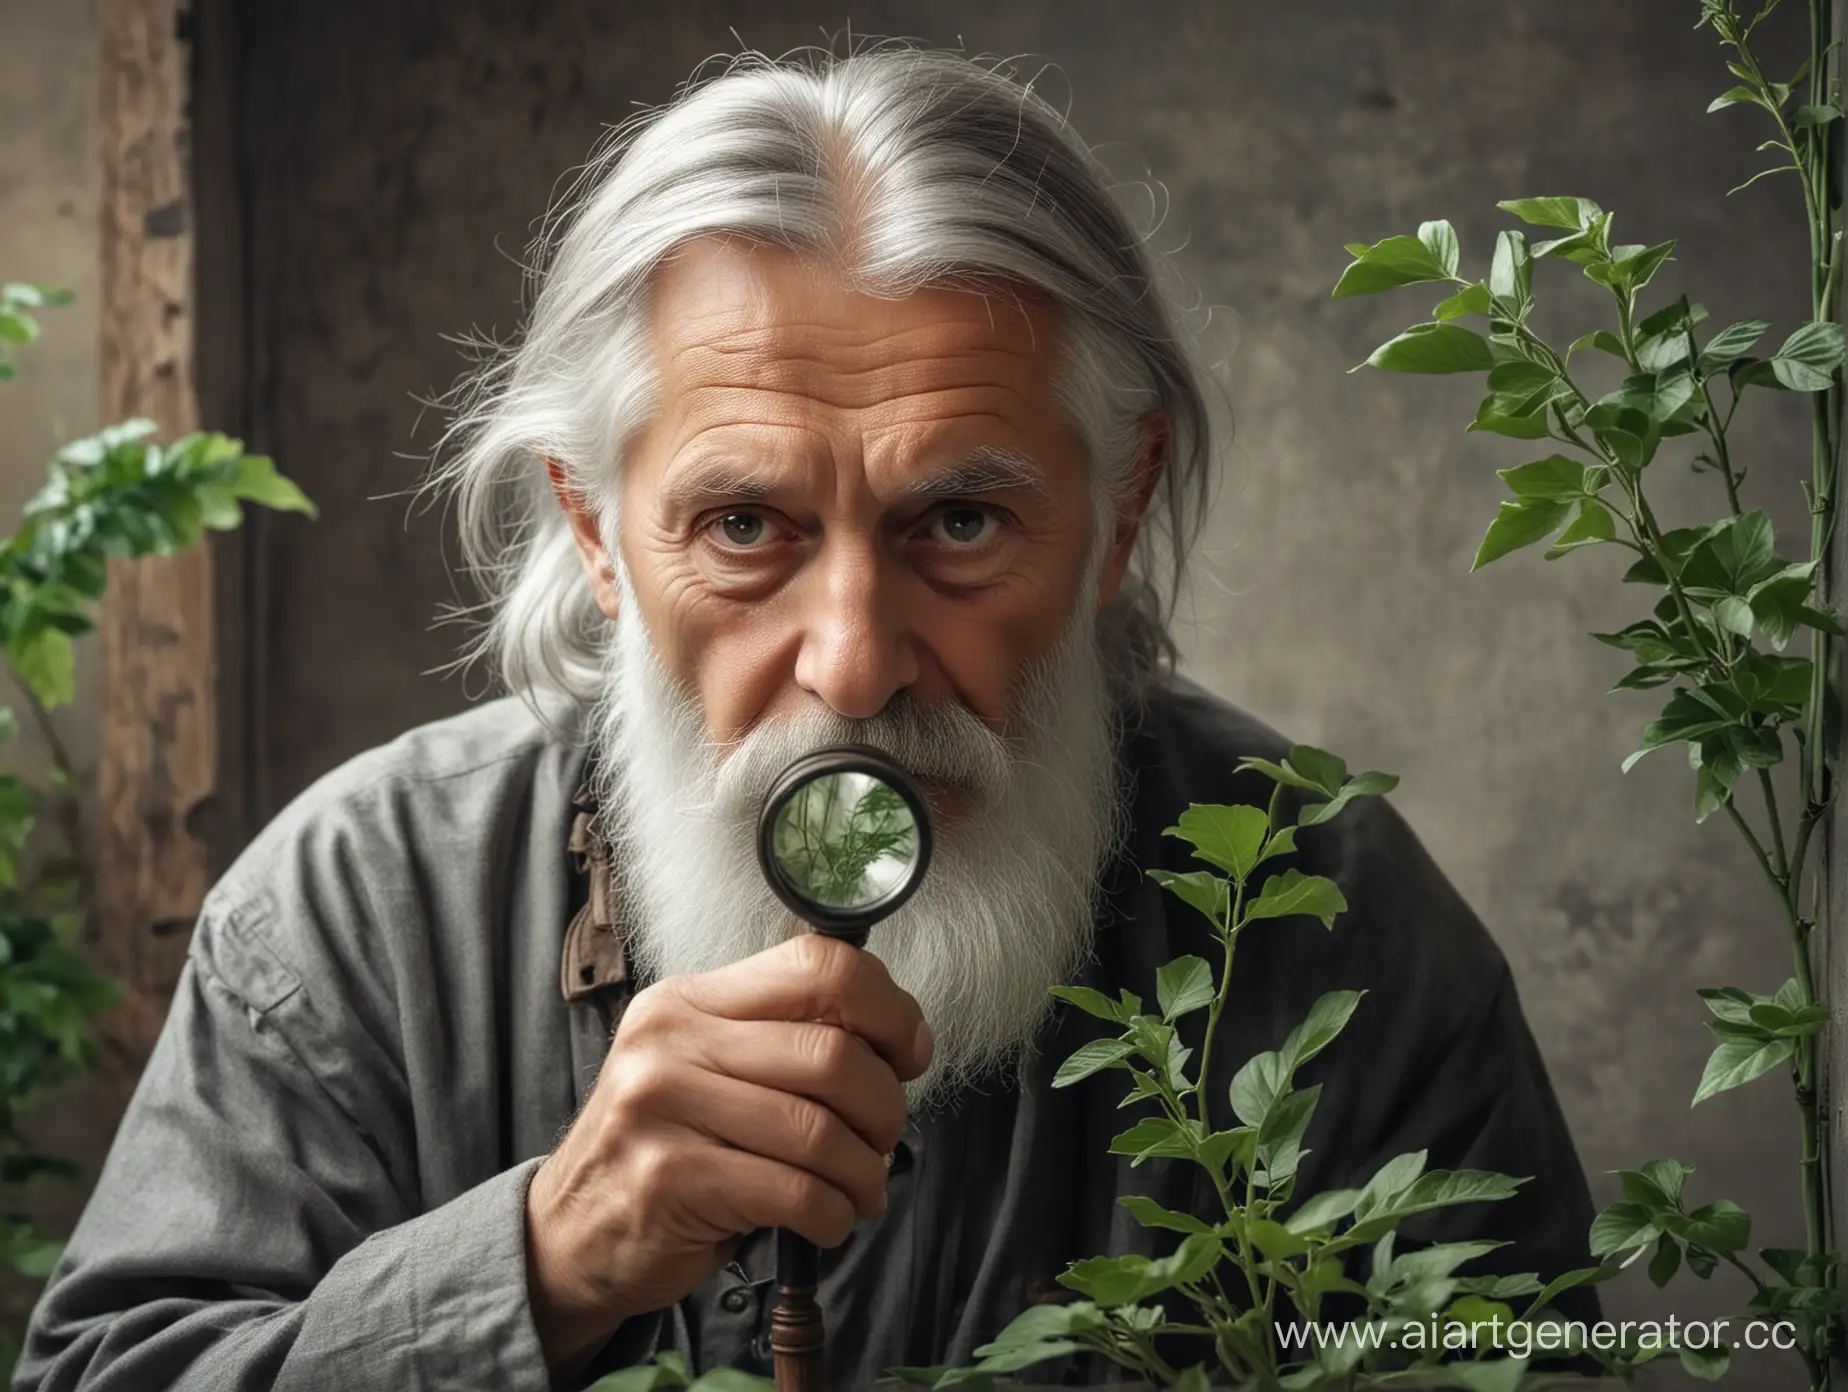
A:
(844, 839)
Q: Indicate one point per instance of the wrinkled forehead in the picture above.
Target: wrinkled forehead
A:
(730, 316)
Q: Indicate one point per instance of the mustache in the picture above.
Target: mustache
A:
(939, 741)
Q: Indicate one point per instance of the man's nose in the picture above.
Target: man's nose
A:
(857, 651)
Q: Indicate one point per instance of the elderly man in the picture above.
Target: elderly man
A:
(848, 409)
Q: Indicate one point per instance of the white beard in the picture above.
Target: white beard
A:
(1007, 908)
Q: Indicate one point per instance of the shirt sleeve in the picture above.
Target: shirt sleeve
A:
(246, 1232)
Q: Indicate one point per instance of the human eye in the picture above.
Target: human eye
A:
(740, 530)
(964, 525)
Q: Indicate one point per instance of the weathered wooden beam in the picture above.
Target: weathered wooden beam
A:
(157, 746)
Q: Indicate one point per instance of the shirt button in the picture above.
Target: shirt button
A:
(735, 1300)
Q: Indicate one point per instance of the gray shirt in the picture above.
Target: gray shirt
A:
(320, 1181)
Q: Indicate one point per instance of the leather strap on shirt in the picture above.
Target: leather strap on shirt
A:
(594, 966)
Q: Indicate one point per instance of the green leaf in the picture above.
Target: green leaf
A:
(1518, 525)
(1275, 1241)
(1738, 554)
(1280, 1137)
(1091, 1002)
(1737, 1062)
(1634, 271)
(1621, 1227)
(256, 480)
(1809, 117)
(1322, 770)
(1440, 240)
(1522, 387)
(1391, 1179)
(1200, 888)
(1497, 422)
(1556, 477)
(38, 1259)
(731, 1380)
(219, 508)
(1663, 351)
(1442, 347)
(1779, 601)
(1257, 1085)
(1372, 783)
(1152, 1215)
(1149, 1138)
(1603, 340)
(1731, 343)
(1511, 272)
(1442, 1259)
(1668, 1177)
(1325, 1020)
(1184, 985)
(1594, 524)
(1281, 842)
(1091, 1058)
(1685, 717)
(1586, 247)
(45, 663)
(1471, 299)
(1707, 1364)
(1228, 837)
(1396, 261)
(1734, 615)
(1117, 1281)
(1437, 1189)
(1570, 1280)
(1721, 1226)
(1728, 1003)
(1292, 892)
(1322, 1210)
(1809, 357)
(1573, 213)
(1733, 96)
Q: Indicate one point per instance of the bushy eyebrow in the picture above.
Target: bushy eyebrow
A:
(986, 469)
(710, 484)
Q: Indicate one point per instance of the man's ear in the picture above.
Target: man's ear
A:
(585, 532)
(1145, 475)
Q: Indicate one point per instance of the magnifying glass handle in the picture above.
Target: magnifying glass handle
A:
(797, 1335)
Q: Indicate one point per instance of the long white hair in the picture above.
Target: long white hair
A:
(900, 167)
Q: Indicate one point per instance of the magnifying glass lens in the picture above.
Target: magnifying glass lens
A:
(844, 837)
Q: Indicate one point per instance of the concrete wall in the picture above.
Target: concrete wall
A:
(398, 155)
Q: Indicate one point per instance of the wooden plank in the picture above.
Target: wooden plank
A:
(157, 744)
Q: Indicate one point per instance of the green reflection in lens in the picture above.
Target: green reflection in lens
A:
(845, 840)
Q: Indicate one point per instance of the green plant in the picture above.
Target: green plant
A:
(1723, 584)
(116, 493)
(1273, 1246)
(836, 829)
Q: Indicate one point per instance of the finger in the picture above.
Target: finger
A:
(815, 977)
(782, 1126)
(825, 1063)
(744, 1191)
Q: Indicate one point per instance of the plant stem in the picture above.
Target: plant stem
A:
(1777, 830)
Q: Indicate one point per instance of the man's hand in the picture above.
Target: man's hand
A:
(764, 1094)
